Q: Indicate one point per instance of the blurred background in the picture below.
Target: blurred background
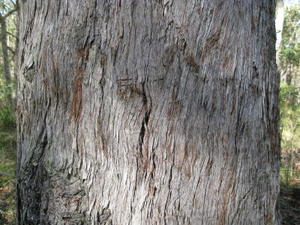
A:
(288, 61)
(8, 74)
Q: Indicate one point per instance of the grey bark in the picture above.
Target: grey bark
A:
(147, 112)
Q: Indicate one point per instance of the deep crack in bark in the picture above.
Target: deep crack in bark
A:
(145, 119)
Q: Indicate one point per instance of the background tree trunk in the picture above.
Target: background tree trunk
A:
(17, 25)
(147, 112)
(6, 61)
(279, 21)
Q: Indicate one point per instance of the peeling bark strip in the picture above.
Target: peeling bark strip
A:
(147, 112)
(77, 95)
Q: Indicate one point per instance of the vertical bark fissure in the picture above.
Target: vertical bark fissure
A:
(145, 120)
(238, 208)
(169, 184)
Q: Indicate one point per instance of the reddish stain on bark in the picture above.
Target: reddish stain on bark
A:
(190, 60)
(76, 106)
(211, 43)
(83, 52)
(228, 197)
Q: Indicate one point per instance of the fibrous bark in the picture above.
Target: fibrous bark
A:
(147, 112)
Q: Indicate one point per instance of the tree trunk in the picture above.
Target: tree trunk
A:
(17, 25)
(6, 61)
(279, 22)
(289, 74)
(147, 112)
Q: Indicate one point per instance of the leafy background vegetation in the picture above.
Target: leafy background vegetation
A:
(289, 67)
(288, 55)
(8, 34)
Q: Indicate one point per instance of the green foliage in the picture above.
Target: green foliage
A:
(7, 116)
(290, 130)
(289, 53)
(7, 184)
(287, 176)
(7, 156)
(7, 123)
(289, 95)
(290, 116)
(289, 63)
(7, 159)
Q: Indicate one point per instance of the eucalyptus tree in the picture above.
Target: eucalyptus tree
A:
(147, 112)
(7, 8)
(289, 51)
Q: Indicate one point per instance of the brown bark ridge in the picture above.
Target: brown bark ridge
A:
(147, 113)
